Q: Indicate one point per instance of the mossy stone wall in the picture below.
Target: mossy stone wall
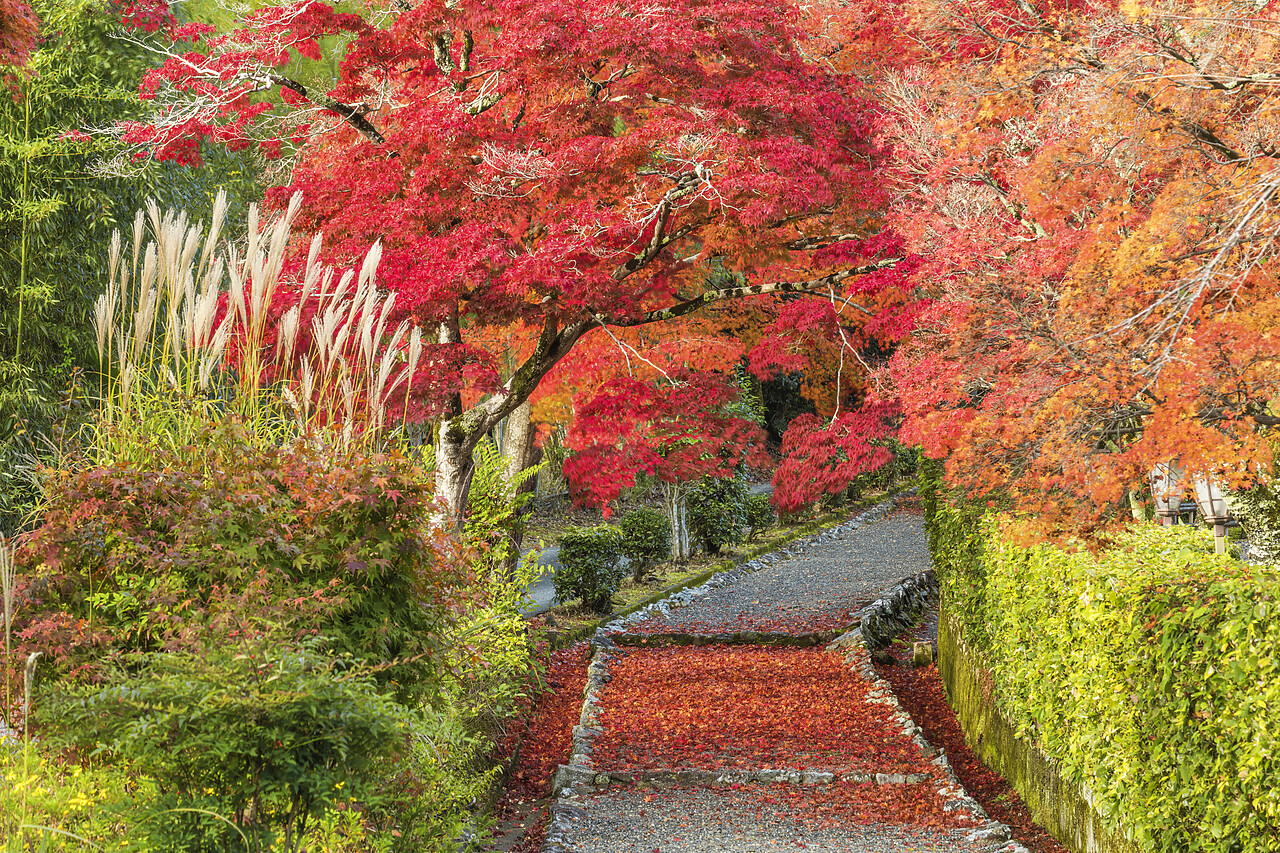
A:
(1058, 805)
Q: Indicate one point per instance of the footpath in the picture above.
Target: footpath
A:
(745, 716)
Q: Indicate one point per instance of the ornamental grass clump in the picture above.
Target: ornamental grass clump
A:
(188, 334)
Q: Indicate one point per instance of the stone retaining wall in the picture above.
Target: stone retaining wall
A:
(1064, 809)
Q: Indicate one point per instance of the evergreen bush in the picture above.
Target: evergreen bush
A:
(646, 539)
(759, 513)
(717, 512)
(248, 743)
(590, 566)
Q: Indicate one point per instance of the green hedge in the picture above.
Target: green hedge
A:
(590, 566)
(1148, 671)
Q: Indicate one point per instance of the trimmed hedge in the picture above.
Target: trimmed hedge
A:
(590, 566)
(1150, 672)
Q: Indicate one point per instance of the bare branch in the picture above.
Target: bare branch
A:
(354, 116)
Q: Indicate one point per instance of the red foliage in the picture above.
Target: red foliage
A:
(147, 15)
(821, 458)
(552, 165)
(18, 29)
(715, 707)
(1099, 300)
(678, 430)
(544, 737)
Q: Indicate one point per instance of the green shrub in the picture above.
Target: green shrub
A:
(1258, 510)
(646, 539)
(267, 735)
(590, 568)
(495, 521)
(717, 512)
(433, 788)
(128, 557)
(759, 513)
(491, 659)
(1147, 672)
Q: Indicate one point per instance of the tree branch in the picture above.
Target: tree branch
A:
(354, 116)
(690, 305)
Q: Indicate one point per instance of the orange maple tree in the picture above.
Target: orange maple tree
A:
(1089, 189)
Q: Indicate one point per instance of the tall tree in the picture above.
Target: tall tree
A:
(1089, 189)
(561, 165)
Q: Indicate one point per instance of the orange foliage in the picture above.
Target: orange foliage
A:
(1091, 189)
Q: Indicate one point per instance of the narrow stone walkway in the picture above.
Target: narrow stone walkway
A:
(694, 744)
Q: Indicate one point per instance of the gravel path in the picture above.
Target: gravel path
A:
(752, 819)
(813, 587)
(819, 587)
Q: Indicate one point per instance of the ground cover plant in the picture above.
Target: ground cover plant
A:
(713, 707)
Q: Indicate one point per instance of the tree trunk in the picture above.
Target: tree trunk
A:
(673, 504)
(517, 441)
(518, 450)
(453, 475)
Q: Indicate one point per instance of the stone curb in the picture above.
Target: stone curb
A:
(738, 638)
(568, 775)
(881, 622)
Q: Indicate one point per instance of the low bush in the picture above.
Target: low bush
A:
(759, 513)
(717, 512)
(49, 805)
(491, 660)
(266, 736)
(590, 566)
(646, 539)
(127, 559)
(1148, 671)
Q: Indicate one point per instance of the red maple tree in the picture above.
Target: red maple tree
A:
(552, 164)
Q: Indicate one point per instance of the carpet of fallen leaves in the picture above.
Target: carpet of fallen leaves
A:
(722, 707)
(843, 803)
(921, 694)
(545, 738)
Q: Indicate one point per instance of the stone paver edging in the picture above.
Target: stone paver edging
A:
(876, 626)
